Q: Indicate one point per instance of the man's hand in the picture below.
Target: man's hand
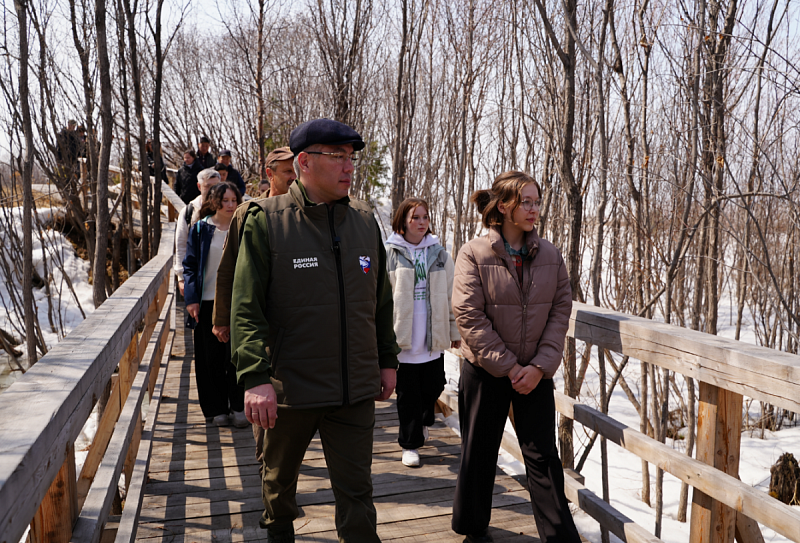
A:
(180, 286)
(261, 405)
(388, 381)
(223, 333)
(194, 311)
(526, 379)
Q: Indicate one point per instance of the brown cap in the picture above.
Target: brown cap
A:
(281, 153)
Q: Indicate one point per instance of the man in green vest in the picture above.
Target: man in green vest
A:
(311, 326)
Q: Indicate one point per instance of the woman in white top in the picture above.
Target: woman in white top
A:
(219, 395)
(421, 274)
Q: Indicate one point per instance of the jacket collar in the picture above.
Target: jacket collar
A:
(300, 196)
(498, 245)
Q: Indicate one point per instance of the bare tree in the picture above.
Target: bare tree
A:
(101, 245)
(21, 7)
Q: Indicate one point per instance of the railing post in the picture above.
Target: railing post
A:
(59, 508)
(719, 432)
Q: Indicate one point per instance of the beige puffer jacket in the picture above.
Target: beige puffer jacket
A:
(502, 323)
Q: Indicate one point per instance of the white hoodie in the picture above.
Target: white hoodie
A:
(418, 353)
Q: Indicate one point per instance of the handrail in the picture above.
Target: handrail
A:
(43, 412)
(720, 365)
(757, 372)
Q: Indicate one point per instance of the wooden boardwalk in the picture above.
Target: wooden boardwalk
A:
(204, 483)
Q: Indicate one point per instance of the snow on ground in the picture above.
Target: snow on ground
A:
(57, 250)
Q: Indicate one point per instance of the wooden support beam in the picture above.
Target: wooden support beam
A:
(59, 509)
(747, 530)
(105, 428)
(133, 449)
(719, 429)
(608, 517)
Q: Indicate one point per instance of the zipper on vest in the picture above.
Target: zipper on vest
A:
(337, 251)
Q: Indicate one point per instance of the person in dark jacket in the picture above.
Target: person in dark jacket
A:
(311, 274)
(512, 302)
(186, 178)
(233, 174)
(67, 148)
(218, 392)
(204, 155)
(151, 161)
(223, 172)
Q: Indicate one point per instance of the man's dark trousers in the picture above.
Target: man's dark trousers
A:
(346, 434)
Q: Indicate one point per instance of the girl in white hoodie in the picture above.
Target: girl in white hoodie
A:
(421, 273)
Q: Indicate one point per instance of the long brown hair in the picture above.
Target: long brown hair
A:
(399, 219)
(506, 190)
(213, 200)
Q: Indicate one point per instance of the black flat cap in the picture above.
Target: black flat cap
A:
(324, 131)
(225, 152)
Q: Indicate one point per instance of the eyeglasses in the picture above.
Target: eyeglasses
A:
(339, 158)
(527, 205)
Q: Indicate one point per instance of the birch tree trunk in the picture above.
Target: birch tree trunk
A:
(21, 7)
(107, 125)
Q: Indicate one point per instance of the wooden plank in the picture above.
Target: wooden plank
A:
(702, 503)
(53, 520)
(45, 410)
(133, 449)
(318, 516)
(720, 486)
(747, 530)
(126, 531)
(758, 372)
(89, 526)
(119, 393)
(718, 438)
(726, 459)
(608, 517)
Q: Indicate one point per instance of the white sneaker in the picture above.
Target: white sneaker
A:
(411, 458)
(425, 433)
(221, 420)
(240, 420)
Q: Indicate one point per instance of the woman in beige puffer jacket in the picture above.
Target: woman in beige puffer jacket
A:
(512, 302)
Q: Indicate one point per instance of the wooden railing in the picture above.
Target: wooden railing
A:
(722, 505)
(124, 344)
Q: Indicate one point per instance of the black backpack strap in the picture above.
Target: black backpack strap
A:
(188, 214)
